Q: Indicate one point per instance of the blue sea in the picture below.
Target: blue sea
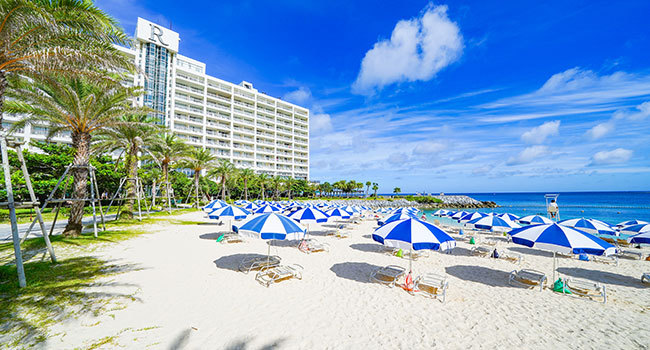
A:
(611, 207)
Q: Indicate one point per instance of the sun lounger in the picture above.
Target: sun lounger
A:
(630, 254)
(527, 278)
(271, 275)
(342, 234)
(513, 258)
(609, 240)
(584, 288)
(312, 246)
(612, 259)
(622, 243)
(388, 275)
(258, 263)
(481, 251)
(645, 278)
(415, 255)
(566, 255)
(231, 238)
(432, 285)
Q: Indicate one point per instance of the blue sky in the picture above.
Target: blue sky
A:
(457, 96)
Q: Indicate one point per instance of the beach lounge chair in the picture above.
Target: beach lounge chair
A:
(630, 254)
(612, 259)
(513, 258)
(258, 263)
(271, 275)
(527, 278)
(415, 255)
(585, 288)
(388, 275)
(622, 243)
(481, 251)
(432, 285)
(645, 278)
(342, 234)
(312, 246)
(231, 238)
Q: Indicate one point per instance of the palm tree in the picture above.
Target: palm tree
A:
(276, 182)
(289, 182)
(223, 171)
(262, 180)
(131, 135)
(368, 183)
(397, 190)
(246, 175)
(76, 106)
(375, 187)
(67, 38)
(197, 161)
(167, 150)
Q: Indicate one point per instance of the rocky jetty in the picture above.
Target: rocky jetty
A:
(450, 201)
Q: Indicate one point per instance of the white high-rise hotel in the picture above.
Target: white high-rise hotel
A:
(235, 122)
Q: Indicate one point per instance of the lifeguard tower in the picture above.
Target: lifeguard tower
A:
(548, 198)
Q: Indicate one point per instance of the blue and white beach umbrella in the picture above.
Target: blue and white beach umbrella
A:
(511, 217)
(271, 226)
(215, 204)
(630, 223)
(397, 217)
(493, 223)
(309, 216)
(472, 216)
(643, 237)
(459, 214)
(440, 212)
(229, 211)
(337, 212)
(535, 219)
(636, 229)
(590, 226)
(561, 239)
(250, 207)
(267, 209)
(413, 234)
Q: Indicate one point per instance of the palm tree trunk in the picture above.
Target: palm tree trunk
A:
(245, 189)
(3, 87)
(196, 187)
(223, 188)
(263, 192)
(81, 142)
(131, 174)
(153, 193)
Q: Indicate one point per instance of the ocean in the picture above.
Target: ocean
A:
(611, 207)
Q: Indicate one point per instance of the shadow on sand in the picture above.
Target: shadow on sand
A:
(243, 344)
(368, 247)
(479, 274)
(531, 251)
(354, 271)
(602, 277)
(231, 262)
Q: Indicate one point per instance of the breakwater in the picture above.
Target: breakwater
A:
(447, 201)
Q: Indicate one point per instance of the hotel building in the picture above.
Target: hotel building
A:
(233, 121)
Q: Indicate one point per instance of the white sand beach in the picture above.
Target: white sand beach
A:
(189, 295)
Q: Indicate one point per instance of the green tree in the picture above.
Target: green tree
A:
(397, 190)
(129, 136)
(276, 183)
(246, 175)
(223, 171)
(375, 187)
(197, 161)
(40, 38)
(166, 151)
(78, 107)
(368, 183)
(262, 181)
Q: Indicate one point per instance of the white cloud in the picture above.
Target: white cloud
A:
(417, 49)
(429, 147)
(528, 155)
(300, 96)
(539, 134)
(619, 155)
(320, 124)
(641, 112)
(601, 130)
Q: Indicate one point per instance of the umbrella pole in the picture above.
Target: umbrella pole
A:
(554, 263)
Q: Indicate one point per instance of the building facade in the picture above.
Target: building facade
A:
(233, 121)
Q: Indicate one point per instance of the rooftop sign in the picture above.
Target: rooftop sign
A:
(156, 34)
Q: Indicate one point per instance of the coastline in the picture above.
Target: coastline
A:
(448, 201)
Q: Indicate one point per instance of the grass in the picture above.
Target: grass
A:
(53, 294)
(152, 218)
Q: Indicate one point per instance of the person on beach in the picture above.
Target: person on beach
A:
(553, 209)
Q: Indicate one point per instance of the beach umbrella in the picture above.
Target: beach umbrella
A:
(643, 237)
(271, 226)
(397, 217)
(459, 214)
(229, 211)
(241, 202)
(215, 204)
(508, 216)
(440, 212)
(493, 223)
(250, 207)
(338, 212)
(590, 226)
(413, 234)
(472, 216)
(266, 209)
(635, 229)
(535, 219)
(560, 239)
(630, 223)
(309, 216)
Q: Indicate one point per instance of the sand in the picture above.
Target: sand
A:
(190, 296)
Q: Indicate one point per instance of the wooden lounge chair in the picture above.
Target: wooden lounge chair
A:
(312, 246)
(258, 263)
(271, 275)
(645, 278)
(432, 285)
(388, 275)
(609, 240)
(584, 288)
(527, 278)
(622, 243)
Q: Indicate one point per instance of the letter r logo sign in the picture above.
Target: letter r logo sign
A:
(156, 32)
